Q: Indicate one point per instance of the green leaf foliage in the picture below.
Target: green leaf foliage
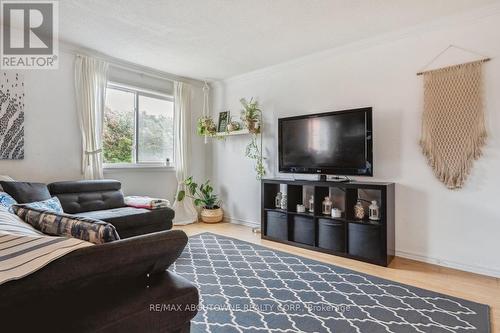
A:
(202, 194)
(181, 195)
(251, 111)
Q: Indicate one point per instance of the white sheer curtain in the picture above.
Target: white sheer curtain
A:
(90, 86)
(185, 212)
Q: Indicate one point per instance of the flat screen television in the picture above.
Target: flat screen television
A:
(334, 143)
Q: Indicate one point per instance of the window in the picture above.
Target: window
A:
(138, 127)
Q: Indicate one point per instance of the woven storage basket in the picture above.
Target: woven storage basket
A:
(212, 215)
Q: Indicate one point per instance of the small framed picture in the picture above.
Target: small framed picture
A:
(223, 121)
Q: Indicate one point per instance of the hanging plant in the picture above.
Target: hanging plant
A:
(206, 126)
(253, 152)
(251, 115)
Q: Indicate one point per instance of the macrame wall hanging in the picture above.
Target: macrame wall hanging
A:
(453, 122)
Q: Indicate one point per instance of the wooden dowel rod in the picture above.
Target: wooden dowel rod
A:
(482, 60)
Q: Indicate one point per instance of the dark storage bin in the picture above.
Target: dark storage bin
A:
(364, 241)
(331, 235)
(303, 230)
(277, 226)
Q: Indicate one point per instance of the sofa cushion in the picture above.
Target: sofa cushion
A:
(52, 205)
(138, 220)
(6, 179)
(87, 229)
(24, 192)
(88, 195)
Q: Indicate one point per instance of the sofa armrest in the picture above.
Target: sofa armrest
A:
(111, 263)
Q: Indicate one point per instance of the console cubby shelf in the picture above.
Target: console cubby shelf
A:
(365, 240)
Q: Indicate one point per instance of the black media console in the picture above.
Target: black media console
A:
(365, 240)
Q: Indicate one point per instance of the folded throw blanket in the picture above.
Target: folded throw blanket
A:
(24, 255)
(146, 202)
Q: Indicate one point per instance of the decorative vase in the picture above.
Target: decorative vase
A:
(359, 211)
(283, 201)
(212, 215)
(277, 200)
(374, 211)
(233, 126)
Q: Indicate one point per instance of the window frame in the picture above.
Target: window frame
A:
(135, 151)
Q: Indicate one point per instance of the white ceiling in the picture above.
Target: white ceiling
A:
(215, 39)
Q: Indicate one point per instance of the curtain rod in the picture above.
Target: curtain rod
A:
(137, 68)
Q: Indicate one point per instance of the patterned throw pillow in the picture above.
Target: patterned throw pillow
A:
(6, 202)
(52, 205)
(87, 229)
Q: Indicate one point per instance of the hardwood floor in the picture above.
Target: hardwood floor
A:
(473, 287)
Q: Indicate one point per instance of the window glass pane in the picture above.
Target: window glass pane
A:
(118, 140)
(156, 129)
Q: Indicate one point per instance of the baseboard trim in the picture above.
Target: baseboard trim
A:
(450, 264)
(241, 222)
(403, 254)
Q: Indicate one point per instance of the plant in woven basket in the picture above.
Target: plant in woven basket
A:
(251, 115)
(203, 196)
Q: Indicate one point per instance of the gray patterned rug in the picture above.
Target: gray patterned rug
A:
(249, 288)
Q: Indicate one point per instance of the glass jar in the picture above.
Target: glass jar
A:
(283, 203)
(374, 211)
(277, 200)
(311, 204)
(359, 210)
(327, 206)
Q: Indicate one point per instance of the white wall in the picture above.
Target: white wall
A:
(453, 228)
(53, 140)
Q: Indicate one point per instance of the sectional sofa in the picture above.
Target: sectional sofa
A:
(120, 286)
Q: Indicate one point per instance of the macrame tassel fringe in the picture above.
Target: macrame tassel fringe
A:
(453, 178)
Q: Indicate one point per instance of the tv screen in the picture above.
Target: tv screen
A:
(338, 143)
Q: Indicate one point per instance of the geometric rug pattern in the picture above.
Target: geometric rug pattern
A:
(245, 287)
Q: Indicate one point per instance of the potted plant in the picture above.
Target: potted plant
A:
(251, 115)
(206, 126)
(204, 197)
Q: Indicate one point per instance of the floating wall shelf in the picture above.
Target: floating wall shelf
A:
(238, 132)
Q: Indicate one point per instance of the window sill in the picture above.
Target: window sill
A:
(137, 167)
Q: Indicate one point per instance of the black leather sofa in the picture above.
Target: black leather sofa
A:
(103, 200)
(99, 199)
(122, 286)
